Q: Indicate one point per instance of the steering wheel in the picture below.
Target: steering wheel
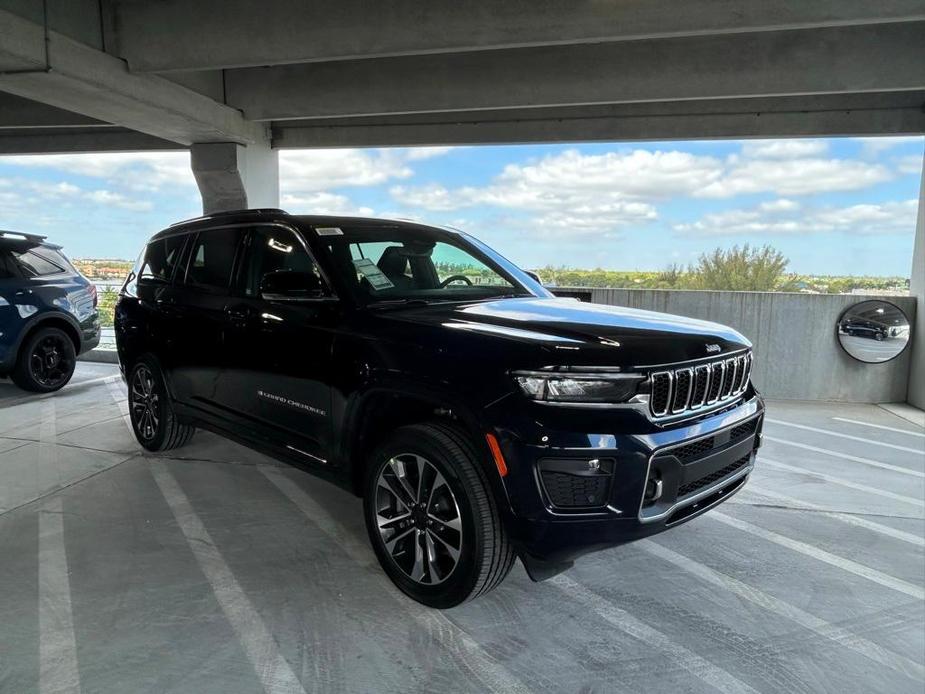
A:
(453, 278)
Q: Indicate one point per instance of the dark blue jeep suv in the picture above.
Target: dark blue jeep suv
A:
(48, 313)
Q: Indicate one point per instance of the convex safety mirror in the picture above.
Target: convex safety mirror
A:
(873, 331)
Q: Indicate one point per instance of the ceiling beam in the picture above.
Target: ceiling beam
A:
(883, 57)
(65, 141)
(897, 113)
(16, 112)
(81, 79)
(209, 34)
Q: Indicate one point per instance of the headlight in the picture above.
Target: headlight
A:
(578, 387)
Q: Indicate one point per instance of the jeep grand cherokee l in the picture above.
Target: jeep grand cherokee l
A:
(48, 313)
(479, 417)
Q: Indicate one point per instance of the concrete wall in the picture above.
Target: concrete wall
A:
(797, 355)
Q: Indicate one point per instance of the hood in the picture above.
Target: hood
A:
(581, 333)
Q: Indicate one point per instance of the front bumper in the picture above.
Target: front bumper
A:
(566, 501)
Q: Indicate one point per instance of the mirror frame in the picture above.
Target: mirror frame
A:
(841, 317)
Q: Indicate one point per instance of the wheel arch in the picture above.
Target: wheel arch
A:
(382, 409)
(62, 321)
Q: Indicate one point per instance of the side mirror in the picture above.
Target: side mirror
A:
(289, 285)
(534, 276)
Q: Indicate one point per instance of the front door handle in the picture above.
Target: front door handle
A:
(239, 315)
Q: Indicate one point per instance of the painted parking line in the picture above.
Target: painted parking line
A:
(698, 666)
(784, 609)
(58, 671)
(838, 434)
(848, 565)
(465, 650)
(262, 650)
(845, 456)
(120, 397)
(866, 488)
(848, 518)
(880, 426)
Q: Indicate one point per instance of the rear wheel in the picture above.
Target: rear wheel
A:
(46, 361)
(432, 519)
(151, 410)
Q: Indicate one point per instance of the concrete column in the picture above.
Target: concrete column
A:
(232, 176)
(916, 395)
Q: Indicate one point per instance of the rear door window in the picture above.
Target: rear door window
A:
(162, 258)
(211, 260)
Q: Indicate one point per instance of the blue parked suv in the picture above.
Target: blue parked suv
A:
(48, 313)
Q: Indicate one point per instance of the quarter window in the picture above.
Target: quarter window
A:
(35, 265)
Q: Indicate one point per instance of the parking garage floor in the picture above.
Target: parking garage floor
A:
(215, 569)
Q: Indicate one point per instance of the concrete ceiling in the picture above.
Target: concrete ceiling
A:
(142, 74)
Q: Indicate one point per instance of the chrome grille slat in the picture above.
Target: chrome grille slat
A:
(686, 389)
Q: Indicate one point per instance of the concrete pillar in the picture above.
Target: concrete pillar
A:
(233, 177)
(916, 395)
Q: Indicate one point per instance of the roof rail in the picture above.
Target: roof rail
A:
(35, 238)
(225, 213)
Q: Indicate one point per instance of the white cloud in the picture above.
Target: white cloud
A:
(111, 199)
(873, 146)
(303, 171)
(322, 202)
(911, 164)
(779, 205)
(801, 176)
(143, 171)
(783, 149)
(895, 217)
(602, 192)
(421, 153)
(576, 192)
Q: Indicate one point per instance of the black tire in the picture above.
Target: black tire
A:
(151, 410)
(46, 361)
(485, 555)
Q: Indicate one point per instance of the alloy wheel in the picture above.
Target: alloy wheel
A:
(418, 518)
(50, 363)
(144, 403)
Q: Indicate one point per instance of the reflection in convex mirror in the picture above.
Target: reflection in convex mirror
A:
(873, 331)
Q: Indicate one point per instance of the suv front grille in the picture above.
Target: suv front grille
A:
(686, 390)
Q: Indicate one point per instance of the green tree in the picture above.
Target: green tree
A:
(107, 305)
(741, 269)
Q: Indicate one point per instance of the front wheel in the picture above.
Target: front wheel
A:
(151, 411)
(432, 519)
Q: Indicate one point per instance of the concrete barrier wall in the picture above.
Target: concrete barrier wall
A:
(797, 355)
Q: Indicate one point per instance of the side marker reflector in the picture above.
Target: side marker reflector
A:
(496, 454)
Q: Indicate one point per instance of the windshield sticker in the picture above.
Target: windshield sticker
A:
(329, 231)
(372, 273)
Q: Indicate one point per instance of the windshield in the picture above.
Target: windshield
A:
(396, 264)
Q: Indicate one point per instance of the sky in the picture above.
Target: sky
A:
(832, 206)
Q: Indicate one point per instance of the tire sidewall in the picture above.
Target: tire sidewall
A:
(24, 377)
(461, 582)
(163, 405)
